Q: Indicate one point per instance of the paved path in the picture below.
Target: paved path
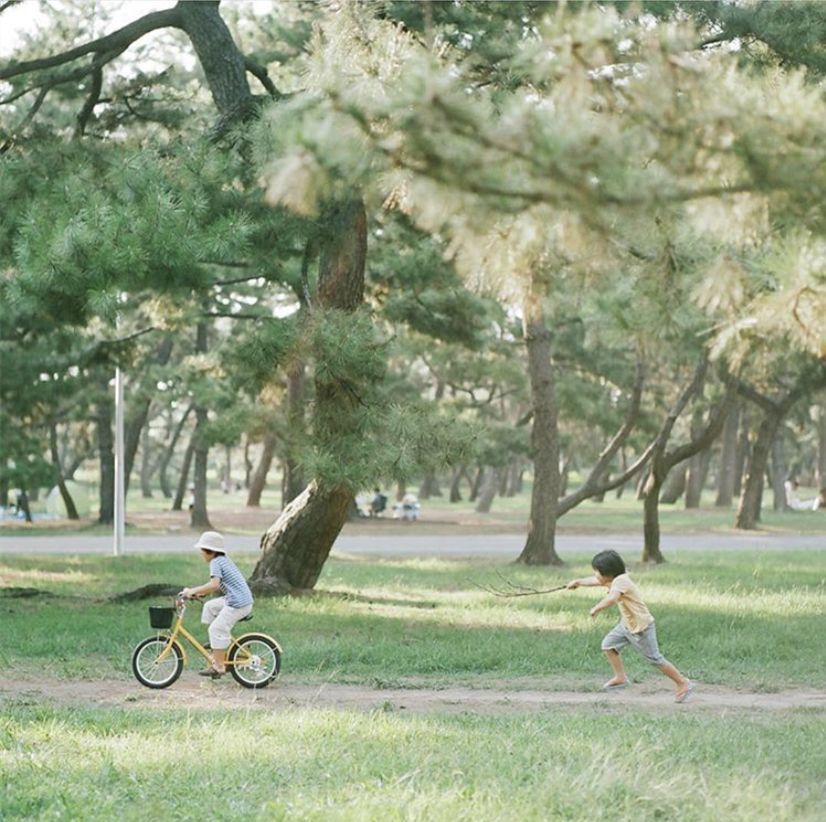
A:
(493, 546)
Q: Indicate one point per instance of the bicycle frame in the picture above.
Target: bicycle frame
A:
(179, 630)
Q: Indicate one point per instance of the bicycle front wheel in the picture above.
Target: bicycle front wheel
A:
(154, 668)
(254, 660)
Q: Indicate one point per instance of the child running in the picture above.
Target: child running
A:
(636, 626)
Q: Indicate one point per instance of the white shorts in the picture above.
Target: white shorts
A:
(221, 618)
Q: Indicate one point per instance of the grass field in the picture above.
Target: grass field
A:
(509, 514)
(751, 621)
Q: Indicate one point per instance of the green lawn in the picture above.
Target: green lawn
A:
(741, 620)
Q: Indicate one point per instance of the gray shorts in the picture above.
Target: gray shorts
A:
(645, 642)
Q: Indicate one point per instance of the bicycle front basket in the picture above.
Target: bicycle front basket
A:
(160, 617)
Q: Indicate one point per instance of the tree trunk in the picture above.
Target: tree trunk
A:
(139, 412)
(741, 465)
(748, 511)
(673, 486)
(651, 520)
(248, 466)
(293, 481)
(778, 472)
(296, 546)
(199, 519)
(167, 457)
(259, 477)
(515, 473)
(487, 490)
(539, 547)
(71, 509)
(106, 455)
(476, 483)
(455, 480)
(183, 480)
(146, 464)
(820, 468)
(696, 478)
(429, 486)
(728, 460)
(303, 532)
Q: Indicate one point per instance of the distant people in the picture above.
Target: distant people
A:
(794, 502)
(379, 502)
(408, 508)
(191, 497)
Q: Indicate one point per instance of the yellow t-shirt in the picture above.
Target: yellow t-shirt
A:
(634, 612)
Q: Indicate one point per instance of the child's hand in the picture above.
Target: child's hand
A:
(594, 611)
(574, 583)
(186, 593)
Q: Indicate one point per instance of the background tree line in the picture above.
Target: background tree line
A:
(417, 243)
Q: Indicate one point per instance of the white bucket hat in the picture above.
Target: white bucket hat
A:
(211, 541)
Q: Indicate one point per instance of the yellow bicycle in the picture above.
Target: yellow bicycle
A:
(254, 659)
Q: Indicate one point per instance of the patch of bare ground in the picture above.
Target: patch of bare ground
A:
(190, 693)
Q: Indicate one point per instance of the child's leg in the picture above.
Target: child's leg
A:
(612, 643)
(683, 683)
(615, 661)
(646, 644)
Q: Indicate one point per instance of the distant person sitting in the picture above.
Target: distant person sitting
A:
(794, 502)
(408, 508)
(378, 503)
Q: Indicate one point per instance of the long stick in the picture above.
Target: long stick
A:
(525, 592)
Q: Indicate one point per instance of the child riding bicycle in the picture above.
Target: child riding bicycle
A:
(221, 613)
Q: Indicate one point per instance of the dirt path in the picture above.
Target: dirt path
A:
(191, 693)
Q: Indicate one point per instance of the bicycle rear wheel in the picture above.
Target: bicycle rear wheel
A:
(254, 660)
(153, 670)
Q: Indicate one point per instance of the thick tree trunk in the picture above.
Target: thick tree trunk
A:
(296, 546)
(728, 460)
(304, 533)
(259, 477)
(539, 547)
(476, 483)
(106, 455)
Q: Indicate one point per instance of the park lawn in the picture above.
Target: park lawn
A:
(741, 619)
(566, 764)
(750, 620)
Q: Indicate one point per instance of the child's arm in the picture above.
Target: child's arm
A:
(606, 602)
(585, 582)
(202, 590)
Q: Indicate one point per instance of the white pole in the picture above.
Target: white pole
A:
(120, 510)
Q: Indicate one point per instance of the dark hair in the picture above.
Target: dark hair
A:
(608, 563)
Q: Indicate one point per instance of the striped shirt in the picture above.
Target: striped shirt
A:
(233, 585)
